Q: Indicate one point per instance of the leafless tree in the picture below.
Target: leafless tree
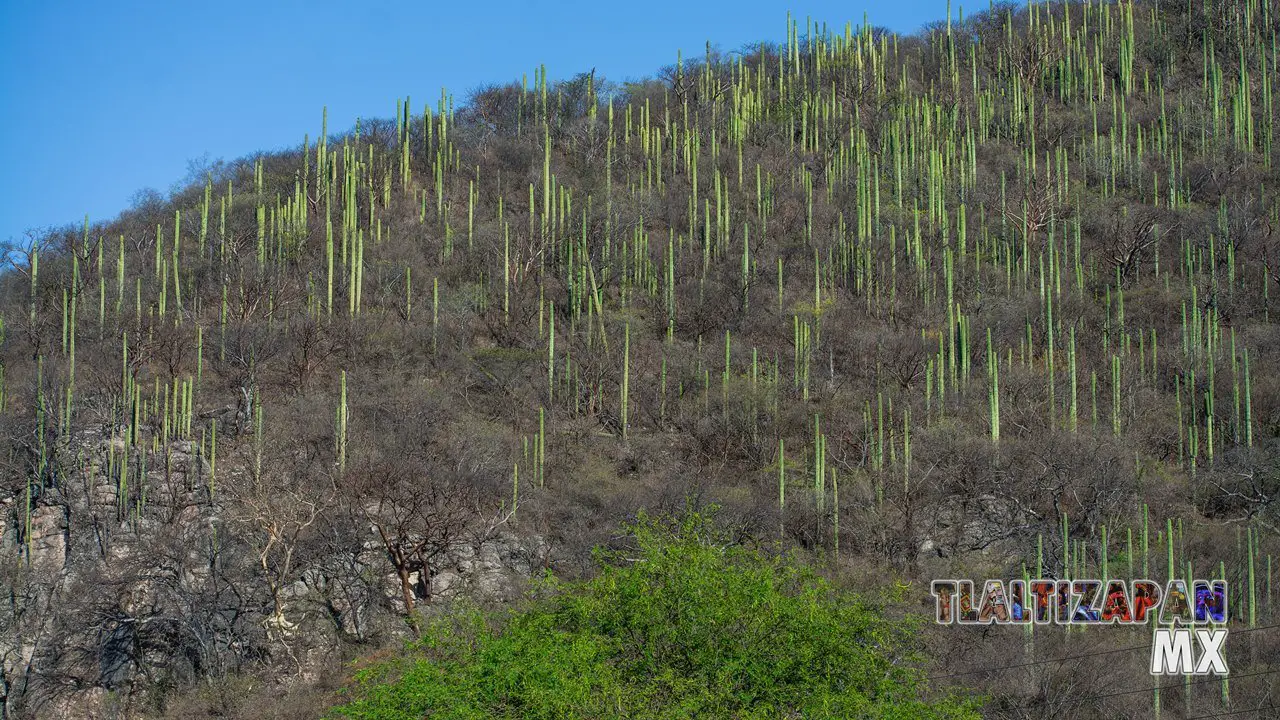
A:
(417, 515)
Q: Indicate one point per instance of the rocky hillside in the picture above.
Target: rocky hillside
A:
(985, 301)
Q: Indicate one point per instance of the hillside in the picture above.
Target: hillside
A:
(992, 300)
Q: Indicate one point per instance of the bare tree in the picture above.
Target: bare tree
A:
(417, 515)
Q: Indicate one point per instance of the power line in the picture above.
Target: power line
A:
(1234, 712)
(1173, 686)
(1078, 657)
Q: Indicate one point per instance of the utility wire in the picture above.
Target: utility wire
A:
(1171, 686)
(1234, 712)
(1085, 656)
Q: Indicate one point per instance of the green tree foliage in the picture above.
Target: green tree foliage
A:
(686, 624)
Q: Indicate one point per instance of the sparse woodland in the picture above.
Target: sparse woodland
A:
(991, 300)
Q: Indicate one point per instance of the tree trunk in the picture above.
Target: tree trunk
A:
(406, 591)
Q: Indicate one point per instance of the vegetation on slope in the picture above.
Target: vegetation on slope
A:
(992, 300)
(687, 624)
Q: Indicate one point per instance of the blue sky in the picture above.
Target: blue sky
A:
(102, 99)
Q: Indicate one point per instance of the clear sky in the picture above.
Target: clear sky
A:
(101, 99)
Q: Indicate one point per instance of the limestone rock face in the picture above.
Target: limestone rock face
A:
(48, 539)
(492, 570)
(164, 585)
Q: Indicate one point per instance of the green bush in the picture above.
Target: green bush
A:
(687, 625)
